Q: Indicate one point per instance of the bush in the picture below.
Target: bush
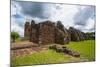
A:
(14, 36)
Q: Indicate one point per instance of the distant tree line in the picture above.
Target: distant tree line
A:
(91, 35)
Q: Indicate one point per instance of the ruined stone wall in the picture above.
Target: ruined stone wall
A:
(27, 30)
(59, 36)
(34, 32)
(62, 35)
(76, 35)
(49, 32)
(46, 32)
(69, 35)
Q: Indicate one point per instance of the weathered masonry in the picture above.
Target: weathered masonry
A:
(46, 32)
(50, 32)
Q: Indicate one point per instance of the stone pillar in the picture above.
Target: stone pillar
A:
(27, 30)
(46, 32)
(33, 35)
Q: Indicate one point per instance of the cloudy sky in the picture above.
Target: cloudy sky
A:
(81, 17)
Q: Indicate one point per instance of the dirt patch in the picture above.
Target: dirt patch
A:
(25, 51)
(26, 48)
(22, 45)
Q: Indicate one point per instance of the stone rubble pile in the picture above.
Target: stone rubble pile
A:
(63, 49)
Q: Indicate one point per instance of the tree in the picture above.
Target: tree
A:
(14, 36)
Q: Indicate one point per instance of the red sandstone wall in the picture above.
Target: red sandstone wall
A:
(27, 30)
(46, 34)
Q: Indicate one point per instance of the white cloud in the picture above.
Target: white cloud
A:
(90, 26)
(64, 14)
(54, 12)
(13, 9)
(15, 27)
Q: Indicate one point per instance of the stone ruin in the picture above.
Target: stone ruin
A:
(48, 32)
(63, 49)
(52, 33)
(76, 35)
(27, 30)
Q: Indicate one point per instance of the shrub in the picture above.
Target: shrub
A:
(14, 36)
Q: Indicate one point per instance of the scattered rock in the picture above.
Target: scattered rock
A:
(63, 49)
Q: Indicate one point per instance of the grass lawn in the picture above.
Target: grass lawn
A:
(85, 48)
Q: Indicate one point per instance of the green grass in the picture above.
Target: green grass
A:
(43, 57)
(85, 48)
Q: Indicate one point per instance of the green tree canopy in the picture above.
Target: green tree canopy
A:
(14, 35)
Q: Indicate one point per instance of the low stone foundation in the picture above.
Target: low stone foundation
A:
(63, 49)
